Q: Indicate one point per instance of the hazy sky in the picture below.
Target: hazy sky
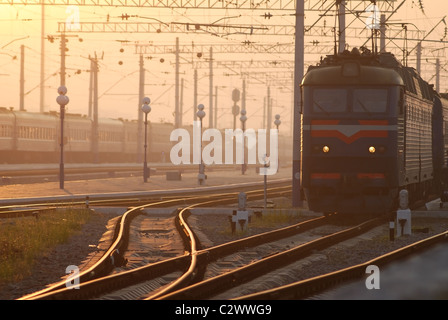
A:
(119, 76)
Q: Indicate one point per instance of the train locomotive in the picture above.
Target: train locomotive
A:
(370, 127)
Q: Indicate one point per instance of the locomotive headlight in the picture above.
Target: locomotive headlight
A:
(372, 149)
(326, 149)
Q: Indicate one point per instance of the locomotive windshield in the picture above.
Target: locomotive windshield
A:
(359, 100)
(330, 100)
(369, 100)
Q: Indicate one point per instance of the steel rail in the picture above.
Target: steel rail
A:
(189, 274)
(120, 280)
(80, 199)
(305, 288)
(192, 272)
(33, 212)
(131, 198)
(16, 171)
(12, 211)
(104, 265)
(212, 286)
(124, 279)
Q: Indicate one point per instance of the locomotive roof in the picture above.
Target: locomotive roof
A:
(375, 69)
(369, 75)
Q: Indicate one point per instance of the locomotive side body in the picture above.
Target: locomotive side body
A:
(440, 145)
(369, 130)
(415, 147)
(444, 101)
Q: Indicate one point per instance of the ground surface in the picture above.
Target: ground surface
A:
(91, 241)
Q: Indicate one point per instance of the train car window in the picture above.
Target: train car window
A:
(370, 100)
(329, 100)
(6, 130)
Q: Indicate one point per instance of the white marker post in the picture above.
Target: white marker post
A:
(403, 215)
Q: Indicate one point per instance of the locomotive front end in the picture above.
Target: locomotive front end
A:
(349, 134)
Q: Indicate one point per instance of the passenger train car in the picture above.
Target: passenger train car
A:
(28, 137)
(370, 127)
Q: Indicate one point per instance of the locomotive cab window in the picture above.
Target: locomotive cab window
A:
(370, 100)
(329, 100)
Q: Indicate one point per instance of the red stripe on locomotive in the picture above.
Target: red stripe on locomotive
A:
(362, 133)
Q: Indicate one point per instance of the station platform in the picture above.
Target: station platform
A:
(135, 184)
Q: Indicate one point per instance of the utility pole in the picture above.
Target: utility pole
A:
(235, 109)
(195, 98)
(341, 14)
(264, 113)
(90, 106)
(419, 57)
(438, 75)
(215, 121)
(298, 75)
(95, 112)
(268, 121)
(42, 59)
(210, 92)
(95, 136)
(22, 77)
(181, 102)
(268, 111)
(63, 50)
(176, 108)
(383, 33)
(141, 94)
(243, 96)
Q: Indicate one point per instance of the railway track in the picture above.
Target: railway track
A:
(189, 271)
(115, 253)
(166, 279)
(128, 198)
(256, 275)
(289, 250)
(186, 273)
(309, 287)
(50, 172)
